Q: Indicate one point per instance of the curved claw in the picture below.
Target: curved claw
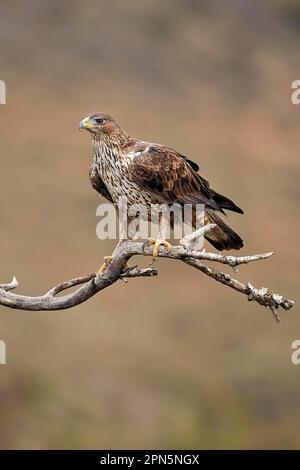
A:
(103, 267)
(157, 244)
(107, 261)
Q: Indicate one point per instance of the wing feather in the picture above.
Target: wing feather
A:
(98, 183)
(170, 176)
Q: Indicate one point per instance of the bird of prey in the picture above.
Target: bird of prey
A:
(148, 173)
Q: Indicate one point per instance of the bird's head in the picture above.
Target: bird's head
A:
(100, 125)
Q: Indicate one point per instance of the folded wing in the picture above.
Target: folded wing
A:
(172, 178)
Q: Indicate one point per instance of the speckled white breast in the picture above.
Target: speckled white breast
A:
(113, 169)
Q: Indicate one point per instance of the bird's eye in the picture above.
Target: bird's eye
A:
(99, 120)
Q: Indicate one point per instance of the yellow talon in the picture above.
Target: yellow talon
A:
(157, 244)
(107, 261)
(102, 269)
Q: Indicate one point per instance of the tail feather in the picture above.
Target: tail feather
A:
(222, 237)
(226, 203)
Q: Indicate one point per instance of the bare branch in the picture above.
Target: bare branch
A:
(117, 269)
(233, 261)
(68, 284)
(262, 295)
(13, 284)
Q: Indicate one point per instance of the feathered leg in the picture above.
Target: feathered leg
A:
(123, 234)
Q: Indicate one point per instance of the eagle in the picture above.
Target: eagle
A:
(147, 173)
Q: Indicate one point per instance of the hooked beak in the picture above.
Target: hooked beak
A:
(86, 123)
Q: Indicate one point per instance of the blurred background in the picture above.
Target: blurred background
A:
(176, 361)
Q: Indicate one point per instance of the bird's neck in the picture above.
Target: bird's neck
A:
(109, 147)
(117, 138)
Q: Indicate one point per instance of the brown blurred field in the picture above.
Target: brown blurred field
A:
(177, 361)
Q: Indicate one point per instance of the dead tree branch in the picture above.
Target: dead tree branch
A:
(116, 270)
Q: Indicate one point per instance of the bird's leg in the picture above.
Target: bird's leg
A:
(161, 237)
(125, 266)
(122, 240)
(123, 235)
(108, 259)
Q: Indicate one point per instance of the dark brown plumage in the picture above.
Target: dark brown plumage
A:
(148, 173)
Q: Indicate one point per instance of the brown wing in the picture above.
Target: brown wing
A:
(98, 183)
(170, 176)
